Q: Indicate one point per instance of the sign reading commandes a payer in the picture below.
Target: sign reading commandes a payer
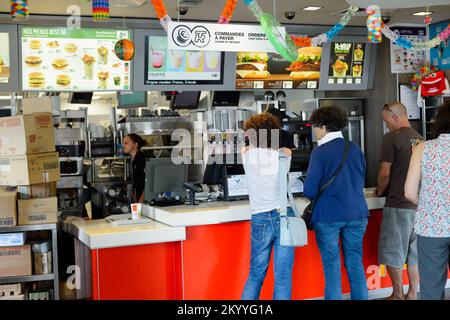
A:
(218, 37)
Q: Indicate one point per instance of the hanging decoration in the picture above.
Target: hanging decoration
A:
(374, 24)
(227, 11)
(304, 41)
(283, 45)
(19, 10)
(427, 19)
(100, 10)
(124, 49)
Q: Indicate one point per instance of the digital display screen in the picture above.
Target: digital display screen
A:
(346, 63)
(5, 64)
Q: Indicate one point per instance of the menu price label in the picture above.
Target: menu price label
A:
(346, 63)
(62, 59)
(5, 64)
(178, 67)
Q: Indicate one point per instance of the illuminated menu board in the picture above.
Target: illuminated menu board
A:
(261, 70)
(5, 62)
(346, 64)
(178, 67)
(62, 59)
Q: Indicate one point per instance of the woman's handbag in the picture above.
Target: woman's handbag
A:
(308, 212)
(293, 231)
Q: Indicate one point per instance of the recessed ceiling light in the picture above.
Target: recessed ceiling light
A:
(311, 8)
(422, 13)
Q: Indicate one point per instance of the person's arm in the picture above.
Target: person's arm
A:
(141, 198)
(384, 174)
(412, 183)
(314, 176)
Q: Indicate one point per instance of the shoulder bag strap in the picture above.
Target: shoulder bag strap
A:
(282, 172)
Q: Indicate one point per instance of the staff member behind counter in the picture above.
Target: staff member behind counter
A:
(132, 144)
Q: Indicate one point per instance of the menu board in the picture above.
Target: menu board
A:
(261, 70)
(62, 59)
(440, 55)
(346, 64)
(180, 67)
(408, 61)
(5, 62)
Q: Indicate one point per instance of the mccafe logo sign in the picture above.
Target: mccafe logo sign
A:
(184, 36)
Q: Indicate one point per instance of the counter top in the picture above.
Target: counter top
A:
(99, 234)
(222, 212)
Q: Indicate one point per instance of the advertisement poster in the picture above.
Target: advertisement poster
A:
(261, 70)
(60, 59)
(440, 56)
(408, 61)
(179, 67)
(5, 70)
(346, 63)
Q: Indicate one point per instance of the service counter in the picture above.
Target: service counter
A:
(202, 252)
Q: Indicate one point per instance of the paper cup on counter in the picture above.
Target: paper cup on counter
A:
(136, 210)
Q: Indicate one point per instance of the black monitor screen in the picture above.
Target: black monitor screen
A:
(185, 100)
(81, 97)
(226, 98)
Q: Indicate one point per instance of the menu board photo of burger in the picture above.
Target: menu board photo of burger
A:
(5, 70)
(261, 70)
(61, 59)
(346, 63)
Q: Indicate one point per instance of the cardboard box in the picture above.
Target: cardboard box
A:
(43, 262)
(8, 212)
(37, 211)
(29, 169)
(12, 239)
(27, 134)
(10, 291)
(40, 190)
(42, 104)
(15, 261)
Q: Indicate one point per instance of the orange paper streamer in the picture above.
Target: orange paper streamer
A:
(301, 41)
(227, 11)
(160, 9)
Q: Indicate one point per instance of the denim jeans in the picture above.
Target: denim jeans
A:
(351, 234)
(265, 234)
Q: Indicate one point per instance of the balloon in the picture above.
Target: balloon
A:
(124, 49)
(19, 10)
(100, 10)
(374, 24)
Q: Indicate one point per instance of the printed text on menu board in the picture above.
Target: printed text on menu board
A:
(346, 63)
(61, 59)
(5, 64)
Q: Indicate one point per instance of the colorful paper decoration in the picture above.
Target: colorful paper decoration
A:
(374, 24)
(100, 10)
(19, 10)
(124, 49)
(227, 11)
(427, 19)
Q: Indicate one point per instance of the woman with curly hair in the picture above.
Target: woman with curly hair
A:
(261, 163)
(340, 212)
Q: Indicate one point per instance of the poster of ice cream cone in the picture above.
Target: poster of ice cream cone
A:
(5, 70)
(178, 67)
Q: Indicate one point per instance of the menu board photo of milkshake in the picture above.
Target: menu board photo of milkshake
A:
(60, 59)
(5, 69)
(346, 63)
(177, 67)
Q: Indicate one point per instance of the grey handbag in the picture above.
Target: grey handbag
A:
(293, 232)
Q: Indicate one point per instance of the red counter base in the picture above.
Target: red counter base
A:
(213, 263)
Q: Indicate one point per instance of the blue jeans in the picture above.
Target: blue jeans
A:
(265, 234)
(351, 234)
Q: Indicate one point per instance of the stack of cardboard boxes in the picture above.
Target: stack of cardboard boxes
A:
(29, 162)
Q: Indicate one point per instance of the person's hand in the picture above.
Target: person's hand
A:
(375, 192)
(244, 149)
(287, 152)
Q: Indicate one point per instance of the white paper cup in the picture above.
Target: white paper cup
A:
(136, 210)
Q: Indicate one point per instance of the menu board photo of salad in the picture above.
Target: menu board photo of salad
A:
(346, 63)
(180, 67)
(62, 59)
(5, 69)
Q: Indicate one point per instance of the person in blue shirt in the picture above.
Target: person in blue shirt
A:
(341, 212)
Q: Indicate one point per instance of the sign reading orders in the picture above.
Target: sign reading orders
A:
(218, 37)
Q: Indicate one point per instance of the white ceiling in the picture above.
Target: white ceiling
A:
(210, 10)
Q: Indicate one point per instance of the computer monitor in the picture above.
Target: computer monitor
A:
(185, 100)
(162, 175)
(129, 100)
(80, 97)
(226, 98)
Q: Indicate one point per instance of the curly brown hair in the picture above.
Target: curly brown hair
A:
(441, 122)
(262, 124)
(332, 118)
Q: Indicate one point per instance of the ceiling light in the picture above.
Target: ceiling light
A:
(311, 8)
(423, 13)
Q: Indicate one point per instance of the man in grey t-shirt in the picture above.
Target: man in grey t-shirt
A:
(397, 244)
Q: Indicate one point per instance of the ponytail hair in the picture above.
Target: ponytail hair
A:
(137, 139)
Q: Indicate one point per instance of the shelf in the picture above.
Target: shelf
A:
(32, 227)
(41, 277)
